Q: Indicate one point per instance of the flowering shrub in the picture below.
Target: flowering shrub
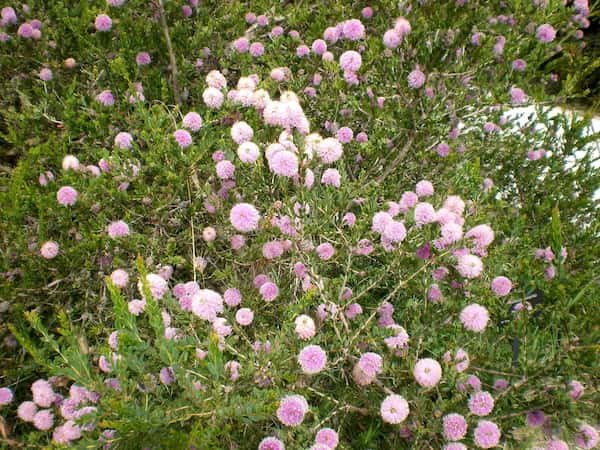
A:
(313, 234)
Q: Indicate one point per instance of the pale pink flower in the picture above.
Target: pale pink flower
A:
(474, 317)
(331, 177)
(350, 61)
(312, 359)
(394, 409)
(248, 152)
(327, 437)
(244, 316)
(325, 251)
(416, 79)
(501, 286)
(26, 411)
(192, 121)
(469, 266)
(427, 372)
(183, 138)
(305, 327)
(329, 150)
(67, 196)
(118, 229)
(487, 434)
(120, 278)
(49, 250)
(455, 427)
(241, 132)
(481, 403)
(244, 217)
(103, 23)
(206, 304)
(292, 410)
(284, 163)
(213, 98)
(271, 443)
(424, 214)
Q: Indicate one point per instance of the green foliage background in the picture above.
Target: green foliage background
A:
(533, 204)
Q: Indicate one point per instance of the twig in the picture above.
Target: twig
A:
(496, 372)
(173, 60)
(345, 406)
(397, 160)
(193, 234)
(387, 390)
(374, 313)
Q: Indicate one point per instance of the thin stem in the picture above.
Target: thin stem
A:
(397, 160)
(374, 313)
(173, 60)
(193, 234)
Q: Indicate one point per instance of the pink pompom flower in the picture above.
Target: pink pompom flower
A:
(353, 29)
(312, 359)
(123, 140)
(392, 39)
(329, 150)
(319, 46)
(292, 410)
(424, 213)
(486, 434)
(43, 420)
(304, 327)
(327, 437)
(213, 97)
(517, 95)
(118, 229)
(46, 74)
(103, 23)
(6, 396)
(67, 196)
(49, 250)
(455, 427)
(474, 317)
(587, 438)
(394, 409)
(402, 26)
(350, 61)
(481, 403)
(325, 251)
(416, 79)
(271, 443)
(43, 395)
(545, 33)
(269, 291)
(143, 59)
(469, 266)
(241, 132)
(501, 286)
(244, 316)
(257, 49)
(225, 169)
(183, 138)
(345, 135)
(244, 217)
(427, 372)
(331, 177)
(232, 297)
(105, 98)
(26, 411)
(192, 121)
(120, 278)
(284, 163)
(424, 188)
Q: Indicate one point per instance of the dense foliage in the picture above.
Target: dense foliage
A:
(258, 225)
